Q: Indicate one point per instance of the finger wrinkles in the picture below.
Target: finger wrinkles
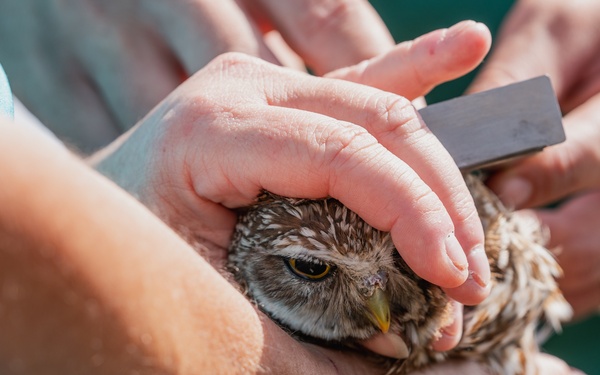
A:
(412, 49)
(465, 210)
(393, 116)
(341, 146)
(361, 166)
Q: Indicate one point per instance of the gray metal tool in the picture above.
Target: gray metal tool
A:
(492, 126)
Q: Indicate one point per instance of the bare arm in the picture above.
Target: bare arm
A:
(92, 282)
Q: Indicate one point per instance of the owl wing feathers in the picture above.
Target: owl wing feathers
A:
(524, 294)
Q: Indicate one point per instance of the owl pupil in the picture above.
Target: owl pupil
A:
(308, 270)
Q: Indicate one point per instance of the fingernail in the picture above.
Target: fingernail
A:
(458, 27)
(388, 344)
(465, 25)
(482, 26)
(515, 192)
(456, 253)
(479, 266)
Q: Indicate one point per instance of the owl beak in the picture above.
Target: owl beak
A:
(379, 310)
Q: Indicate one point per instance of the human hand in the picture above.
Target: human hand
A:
(574, 232)
(82, 258)
(548, 37)
(410, 70)
(570, 168)
(559, 39)
(207, 149)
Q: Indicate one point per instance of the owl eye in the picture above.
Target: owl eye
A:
(314, 271)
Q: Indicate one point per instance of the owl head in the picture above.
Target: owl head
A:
(319, 270)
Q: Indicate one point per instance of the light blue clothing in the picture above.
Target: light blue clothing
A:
(6, 101)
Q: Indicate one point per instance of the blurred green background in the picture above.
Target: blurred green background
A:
(579, 344)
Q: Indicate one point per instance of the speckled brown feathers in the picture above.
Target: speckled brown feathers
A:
(315, 267)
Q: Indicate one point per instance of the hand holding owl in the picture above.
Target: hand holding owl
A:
(121, 259)
(242, 125)
(408, 69)
(127, 294)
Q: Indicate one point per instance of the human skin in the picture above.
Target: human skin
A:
(320, 32)
(94, 283)
(332, 129)
(90, 69)
(413, 65)
(203, 152)
(560, 39)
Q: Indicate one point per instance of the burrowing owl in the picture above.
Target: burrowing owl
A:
(321, 272)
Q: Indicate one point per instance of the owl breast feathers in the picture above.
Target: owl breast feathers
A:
(325, 275)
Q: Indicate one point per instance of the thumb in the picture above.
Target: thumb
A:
(413, 68)
(560, 170)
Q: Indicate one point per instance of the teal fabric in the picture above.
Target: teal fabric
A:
(579, 344)
(6, 101)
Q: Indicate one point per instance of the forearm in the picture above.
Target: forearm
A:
(92, 281)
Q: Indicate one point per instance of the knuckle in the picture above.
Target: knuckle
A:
(229, 60)
(393, 115)
(429, 203)
(342, 143)
(421, 79)
(322, 16)
(465, 207)
(565, 170)
(344, 148)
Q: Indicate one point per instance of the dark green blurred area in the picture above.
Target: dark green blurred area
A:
(579, 344)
